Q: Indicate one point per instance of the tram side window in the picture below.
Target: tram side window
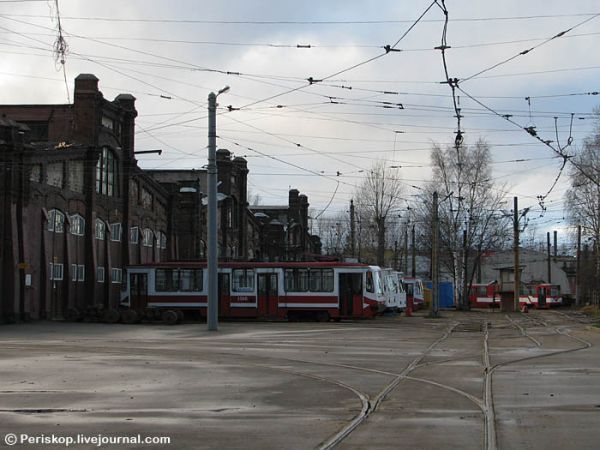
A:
(243, 280)
(391, 284)
(418, 289)
(321, 280)
(481, 291)
(555, 291)
(296, 280)
(190, 280)
(369, 285)
(173, 280)
(166, 280)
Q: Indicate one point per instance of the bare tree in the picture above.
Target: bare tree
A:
(471, 221)
(583, 204)
(334, 232)
(377, 197)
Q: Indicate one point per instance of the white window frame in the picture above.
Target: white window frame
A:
(148, 237)
(81, 272)
(77, 227)
(100, 274)
(116, 230)
(116, 275)
(134, 235)
(99, 230)
(57, 271)
(54, 223)
(73, 272)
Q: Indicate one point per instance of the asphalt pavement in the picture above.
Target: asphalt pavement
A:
(479, 380)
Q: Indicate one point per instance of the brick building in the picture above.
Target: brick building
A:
(187, 210)
(76, 209)
(284, 232)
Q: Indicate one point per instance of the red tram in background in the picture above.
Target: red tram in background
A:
(542, 295)
(276, 290)
(414, 292)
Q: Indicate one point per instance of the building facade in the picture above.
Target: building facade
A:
(76, 209)
(284, 230)
(188, 209)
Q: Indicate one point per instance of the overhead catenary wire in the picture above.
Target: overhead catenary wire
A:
(298, 22)
(529, 50)
(373, 119)
(533, 133)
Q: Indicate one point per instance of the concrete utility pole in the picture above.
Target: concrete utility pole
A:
(212, 318)
(578, 269)
(405, 248)
(549, 261)
(413, 272)
(435, 276)
(352, 230)
(516, 250)
(465, 295)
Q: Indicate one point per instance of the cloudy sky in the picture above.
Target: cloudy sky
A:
(322, 136)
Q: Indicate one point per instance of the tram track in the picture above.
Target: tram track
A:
(337, 438)
(491, 443)
(368, 405)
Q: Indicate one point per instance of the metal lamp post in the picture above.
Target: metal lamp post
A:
(213, 301)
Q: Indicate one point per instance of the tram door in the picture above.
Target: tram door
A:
(268, 300)
(349, 291)
(138, 290)
(224, 295)
(541, 297)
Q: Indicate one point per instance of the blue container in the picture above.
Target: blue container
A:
(446, 293)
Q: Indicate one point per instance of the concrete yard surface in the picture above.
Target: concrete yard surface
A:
(467, 380)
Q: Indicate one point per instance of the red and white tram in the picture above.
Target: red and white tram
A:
(415, 297)
(541, 295)
(291, 290)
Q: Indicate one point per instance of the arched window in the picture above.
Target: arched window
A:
(161, 240)
(100, 229)
(56, 221)
(148, 237)
(106, 173)
(77, 225)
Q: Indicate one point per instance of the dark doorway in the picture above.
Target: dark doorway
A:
(350, 290)
(138, 290)
(224, 295)
(541, 297)
(268, 299)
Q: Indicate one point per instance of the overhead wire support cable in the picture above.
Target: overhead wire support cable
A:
(312, 80)
(274, 158)
(534, 134)
(452, 82)
(526, 51)
(296, 22)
